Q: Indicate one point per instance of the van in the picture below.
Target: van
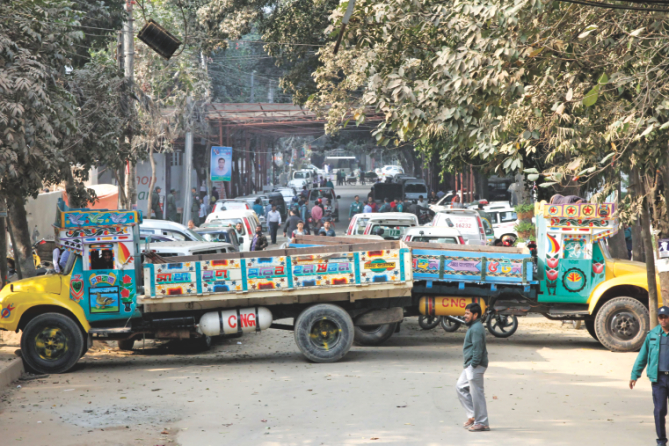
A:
(413, 189)
(302, 178)
(180, 249)
(381, 191)
(468, 222)
(175, 231)
(360, 222)
(224, 219)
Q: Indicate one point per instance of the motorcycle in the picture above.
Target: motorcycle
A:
(41, 268)
(499, 325)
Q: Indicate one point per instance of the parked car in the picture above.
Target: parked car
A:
(219, 234)
(154, 238)
(231, 205)
(468, 222)
(175, 231)
(413, 189)
(359, 222)
(324, 193)
(302, 178)
(439, 234)
(179, 249)
(388, 229)
(223, 219)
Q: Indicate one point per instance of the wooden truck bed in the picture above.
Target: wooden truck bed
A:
(344, 272)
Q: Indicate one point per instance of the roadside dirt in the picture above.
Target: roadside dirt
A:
(548, 384)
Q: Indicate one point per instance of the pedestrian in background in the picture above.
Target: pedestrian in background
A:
(268, 208)
(171, 206)
(386, 206)
(362, 177)
(329, 229)
(356, 207)
(316, 216)
(470, 387)
(258, 208)
(654, 353)
(628, 241)
(202, 214)
(259, 241)
(274, 221)
(155, 203)
(291, 223)
(195, 207)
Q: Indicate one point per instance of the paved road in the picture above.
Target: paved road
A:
(547, 385)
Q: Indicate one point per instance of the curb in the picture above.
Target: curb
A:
(11, 372)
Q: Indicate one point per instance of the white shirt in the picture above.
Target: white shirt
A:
(56, 257)
(274, 216)
(203, 211)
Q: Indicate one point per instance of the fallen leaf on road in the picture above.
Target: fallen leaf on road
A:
(155, 390)
(374, 438)
(402, 406)
(264, 421)
(494, 397)
(164, 432)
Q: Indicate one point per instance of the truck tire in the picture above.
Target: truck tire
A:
(590, 326)
(621, 324)
(324, 333)
(374, 334)
(51, 343)
(126, 344)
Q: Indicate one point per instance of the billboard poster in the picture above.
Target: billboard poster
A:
(221, 163)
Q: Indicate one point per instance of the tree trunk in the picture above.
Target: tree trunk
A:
(18, 221)
(152, 182)
(648, 248)
(131, 186)
(617, 244)
(664, 275)
(637, 243)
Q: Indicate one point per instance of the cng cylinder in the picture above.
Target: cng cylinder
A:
(245, 320)
(447, 305)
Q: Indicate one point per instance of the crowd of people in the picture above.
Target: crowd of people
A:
(202, 204)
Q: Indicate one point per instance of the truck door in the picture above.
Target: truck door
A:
(108, 276)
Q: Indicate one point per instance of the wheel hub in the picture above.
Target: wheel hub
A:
(51, 344)
(325, 334)
(624, 325)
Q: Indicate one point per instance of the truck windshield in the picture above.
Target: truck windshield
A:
(413, 188)
(300, 175)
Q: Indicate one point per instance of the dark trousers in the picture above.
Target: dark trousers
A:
(273, 228)
(660, 394)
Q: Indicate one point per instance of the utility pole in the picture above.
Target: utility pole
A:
(128, 61)
(252, 92)
(188, 164)
(270, 92)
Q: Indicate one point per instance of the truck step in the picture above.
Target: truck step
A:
(104, 332)
(562, 310)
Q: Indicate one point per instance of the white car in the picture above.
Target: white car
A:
(302, 178)
(468, 222)
(503, 218)
(360, 222)
(390, 171)
(170, 229)
(248, 219)
(181, 249)
(438, 234)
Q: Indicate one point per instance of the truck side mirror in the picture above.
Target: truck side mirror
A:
(241, 240)
(338, 197)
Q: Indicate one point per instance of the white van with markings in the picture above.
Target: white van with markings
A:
(359, 222)
(467, 221)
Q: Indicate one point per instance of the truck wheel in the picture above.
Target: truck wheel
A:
(501, 325)
(590, 326)
(126, 344)
(324, 333)
(51, 343)
(428, 322)
(374, 334)
(448, 325)
(621, 324)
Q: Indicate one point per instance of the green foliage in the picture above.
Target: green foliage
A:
(524, 227)
(523, 208)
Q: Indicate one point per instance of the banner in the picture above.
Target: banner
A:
(221, 163)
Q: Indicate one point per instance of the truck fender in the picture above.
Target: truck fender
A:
(638, 280)
(28, 304)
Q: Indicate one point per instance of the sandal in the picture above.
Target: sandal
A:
(479, 428)
(469, 423)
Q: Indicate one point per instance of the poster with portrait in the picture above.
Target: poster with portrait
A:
(221, 163)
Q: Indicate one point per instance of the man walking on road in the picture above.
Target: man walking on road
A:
(171, 206)
(155, 203)
(356, 207)
(291, 223)
(470, 384)
(274, 221)
(655, 354)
